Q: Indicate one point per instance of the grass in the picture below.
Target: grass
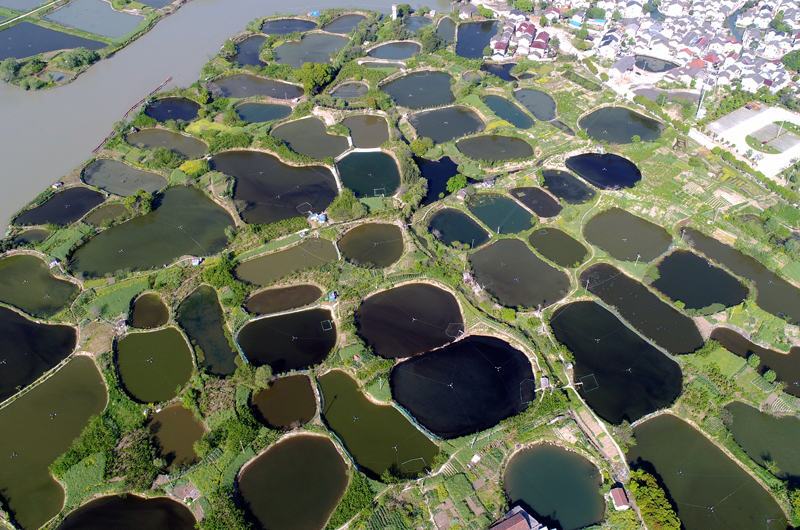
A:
(206, 125)
(272, 245)
(728, 363)
(116, 299)
(758, 146)
(61, 242)
(380, 392)
(84, 475)
(373, 203)
(792, 271)
(458, 487)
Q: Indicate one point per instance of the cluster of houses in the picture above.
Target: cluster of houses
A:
(520, 37)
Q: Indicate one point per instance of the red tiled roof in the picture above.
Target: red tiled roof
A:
(697, 62)
(516, 522)
(619, 497)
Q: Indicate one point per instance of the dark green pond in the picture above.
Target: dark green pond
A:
(149, 312)
(344, 24)
(106, 213)
(421, 90)
(465, 387)
(625, 236)
(395, 50)
(558, 487)
(414, 23)
(30, 237)
(116, 177)
(502, 71)
(286, 26)
(618, 125)
(377, 436)
(282, 299)
(155, 138)
(473, 37)
(566, 187)
(309, 137)
(607, 171)
(173, 431)
(495, 148)
(172, 109)
(36, 429)
(447, 29)
(698, 476)
(247, 86)
(248, 52)
(655, 319)
(130, 512)
(505, 110)
(154, 366)
(369, 174)
(350, 90)
(373, 245)
(450, 226)
(274, 191)
(289, 402)
(295, 485)
(621, 376)
(367, 131)
(408, 320)
(200, 316)
(558, 247)
(27, 283)
(437, 173)
(267, 269)
(185, 222)
(443, 125)
(26, 39)
(542, 203)
(499, 213)
(262, 112)
(541, 105)
(63, 208)
(29, 350)
(295, 341)
(514, 275)
(687, 277)
(785, 365)
(315, 48)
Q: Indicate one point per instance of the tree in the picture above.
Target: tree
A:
(624, 435)
(263, 376)
(770, 375)
(616, 15)
(165, 158)
(792, 60)
(78, 58)
(485, 11)
(403, 10)
(555, 44)
(314, 75)
(595, 12)
(346, 207)
(420, 146)
(524, 5)
(9, 68)
(754, 360)
(456, 183)
(544, 22)
(141, 201)
(487, 51)
(656, 510)
(635, 139)
(430, 40)
(726, 416)
(583, 33)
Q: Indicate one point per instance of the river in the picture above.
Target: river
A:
(32, 123)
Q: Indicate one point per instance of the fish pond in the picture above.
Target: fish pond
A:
(443, 125)
(373, 245)
(421, 90)
(184, 221)
(502, 71)
(452, 226)
(288, 402)
(310, 137)
(294, 341)
(654, 319)
(155, 138)
(315, 48)
(294, 485)
(558, 487)
(173, 431)
(352, 90)
(282, 299)
(105, 214)
(367, 131)
(627, 237)
(373, 174)
(377, 436)
(27, 282)
(395, 50)
(95, 16)
(541, 105)
(29, 350)
(344, 24)
(286, 26)
(567, 187)
(558, 247)
(130, 512)
(499, 213)
(262, 112)
(408, 320)
(149, 312)
(514, 275)
(172, 109)
(116, 177)
(30, 237)
(446, 29)
(619, 125)
(542, 203)
(785, 365)
(437, 173)
(248, 52)
(200, 316)
(465, 387)
(63, 208)
(473, 37)
(697, 476)
(37, 428)
(606, 171)
(274, 191)
(414, 23)
(267, 269)
(621, 375)
(155, 365)
(26, 39)
(246, 86)
(774, 294)
(651, 64)
(505, 110)
(495, 148)
(684, 276)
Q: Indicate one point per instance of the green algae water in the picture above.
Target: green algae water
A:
(26, 282)
(373, 244)
(149, 312)
(200, 316)
(267, 269)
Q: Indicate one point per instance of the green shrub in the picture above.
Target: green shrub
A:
(357, 497)
(97, 437)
